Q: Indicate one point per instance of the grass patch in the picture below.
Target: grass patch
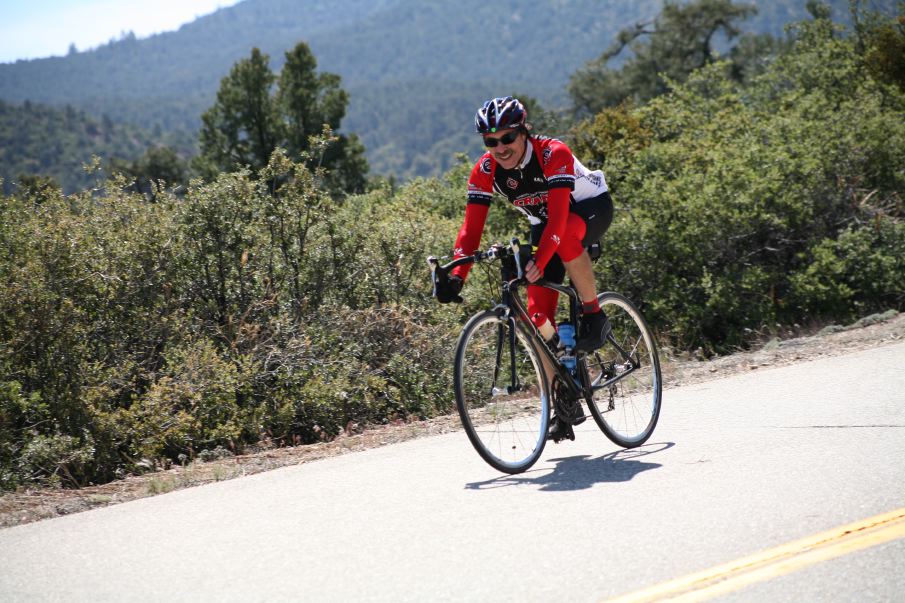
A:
(161, 485)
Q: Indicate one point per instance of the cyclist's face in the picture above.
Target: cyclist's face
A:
(507, 155)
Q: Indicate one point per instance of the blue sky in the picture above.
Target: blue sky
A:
(41, 28)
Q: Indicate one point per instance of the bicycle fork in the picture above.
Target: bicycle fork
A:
(514, 385)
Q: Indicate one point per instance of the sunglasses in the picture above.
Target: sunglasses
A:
(504, 139)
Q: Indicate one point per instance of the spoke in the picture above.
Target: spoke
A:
(635, 347)
(506, 427)
(626, 396)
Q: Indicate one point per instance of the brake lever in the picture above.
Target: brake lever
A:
(433, 263)
(514, 246)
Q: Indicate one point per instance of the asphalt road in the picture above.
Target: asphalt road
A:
(736, 467)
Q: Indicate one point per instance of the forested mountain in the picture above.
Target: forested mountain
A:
(415, 70)
(57, 142)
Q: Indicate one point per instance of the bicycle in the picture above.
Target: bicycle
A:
(503, 394)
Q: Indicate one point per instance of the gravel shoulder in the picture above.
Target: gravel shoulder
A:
(34, 504)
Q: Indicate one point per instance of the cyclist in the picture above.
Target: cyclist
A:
(568, 206)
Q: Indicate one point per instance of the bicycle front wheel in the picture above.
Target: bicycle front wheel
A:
(625, 376)
(501, 392)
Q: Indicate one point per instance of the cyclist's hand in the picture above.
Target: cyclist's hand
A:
(448, 288)
(532, 272)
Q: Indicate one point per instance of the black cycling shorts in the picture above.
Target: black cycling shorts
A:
(597, 213)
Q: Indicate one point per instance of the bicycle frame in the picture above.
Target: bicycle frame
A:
(512, 302)
(513, 308)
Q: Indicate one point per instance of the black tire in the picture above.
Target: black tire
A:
(507, 426)
(627, 410)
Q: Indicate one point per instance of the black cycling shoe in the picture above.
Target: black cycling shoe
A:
(560, 430)
(570, 412)
(593, 330)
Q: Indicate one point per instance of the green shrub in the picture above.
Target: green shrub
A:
(860, 272)
(728, 194)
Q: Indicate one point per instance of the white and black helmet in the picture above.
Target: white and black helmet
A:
(500, 114)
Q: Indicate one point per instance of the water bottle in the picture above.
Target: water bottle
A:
(544, 326)
(567, 335)
(567, 340)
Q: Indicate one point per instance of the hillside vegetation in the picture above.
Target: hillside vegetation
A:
(416, 70)
(57, 144)
(136, 334)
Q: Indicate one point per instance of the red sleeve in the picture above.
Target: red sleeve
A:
(470, 235)
(480, 192)
(557, 216)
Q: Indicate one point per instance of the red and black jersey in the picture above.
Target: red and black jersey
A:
(548, 163)
(548, 175)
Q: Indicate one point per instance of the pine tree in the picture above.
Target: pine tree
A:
(242, 128)
(676, 42)
(257, 111)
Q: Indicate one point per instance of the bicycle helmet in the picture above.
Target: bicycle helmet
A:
(501, 113)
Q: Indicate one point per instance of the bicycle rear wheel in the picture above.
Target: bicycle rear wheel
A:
(626, 409)
(501, 392)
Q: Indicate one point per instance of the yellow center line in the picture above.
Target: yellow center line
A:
(775, 562)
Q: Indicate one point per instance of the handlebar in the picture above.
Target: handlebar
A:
(495, 251)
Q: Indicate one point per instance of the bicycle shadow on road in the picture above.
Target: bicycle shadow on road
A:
(582, 471)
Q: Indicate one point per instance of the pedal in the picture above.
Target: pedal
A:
(559, 431)
(572, 412)
(568, 410)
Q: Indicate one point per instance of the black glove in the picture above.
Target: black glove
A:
(448, 288)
